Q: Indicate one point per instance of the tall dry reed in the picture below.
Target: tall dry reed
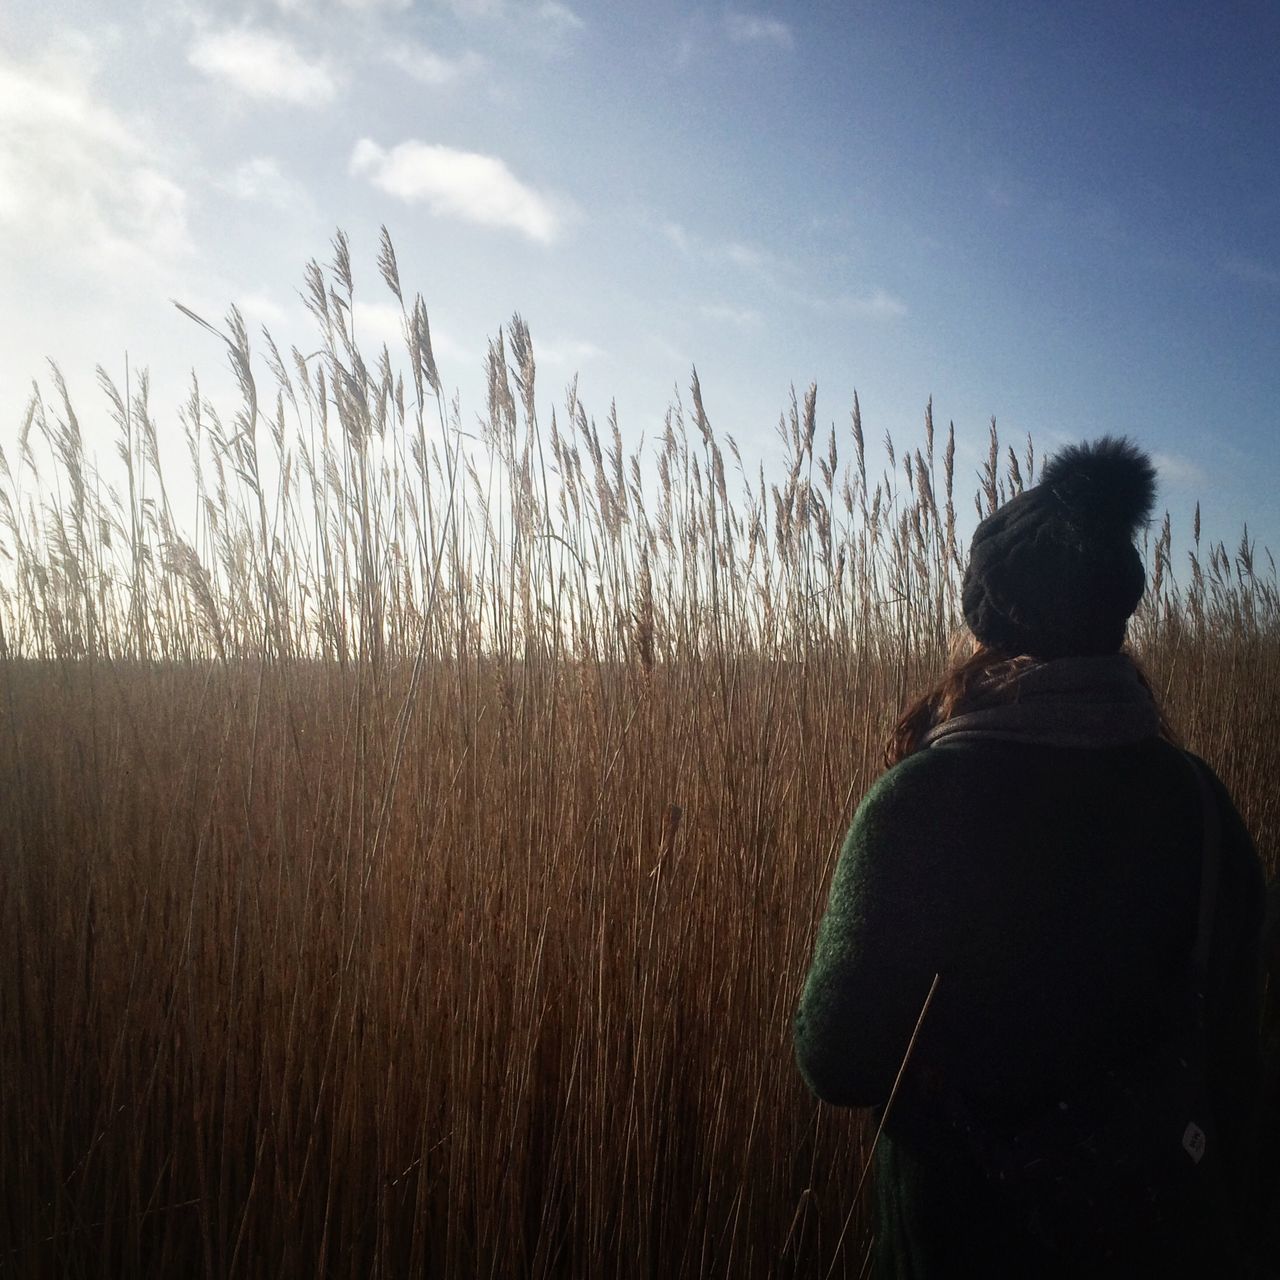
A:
(413, 849)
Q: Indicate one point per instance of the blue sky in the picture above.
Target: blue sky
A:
(1065, 216)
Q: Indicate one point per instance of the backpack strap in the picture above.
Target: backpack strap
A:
(1211, 826)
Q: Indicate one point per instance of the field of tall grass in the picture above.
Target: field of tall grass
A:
(412, 846)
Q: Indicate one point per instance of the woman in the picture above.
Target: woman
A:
(1029, 869)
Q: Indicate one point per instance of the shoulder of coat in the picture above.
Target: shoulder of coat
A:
(921, 774)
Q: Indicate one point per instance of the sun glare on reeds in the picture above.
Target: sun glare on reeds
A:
(414, 833)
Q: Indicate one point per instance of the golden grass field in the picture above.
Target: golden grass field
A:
(412, 847)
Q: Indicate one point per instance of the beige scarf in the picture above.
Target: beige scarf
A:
(1066, 702)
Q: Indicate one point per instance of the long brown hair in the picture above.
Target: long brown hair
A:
(978, 675)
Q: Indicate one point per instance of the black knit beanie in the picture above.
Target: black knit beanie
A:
(1054, 572)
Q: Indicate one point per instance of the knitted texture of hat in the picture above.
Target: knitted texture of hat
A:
(1054, 572)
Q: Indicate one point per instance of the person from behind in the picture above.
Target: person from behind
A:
(1059, 912)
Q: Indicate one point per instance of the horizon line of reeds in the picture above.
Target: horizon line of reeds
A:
(340, 515)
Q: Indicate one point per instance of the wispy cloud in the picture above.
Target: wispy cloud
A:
(261, 180)
(260, 308)
(740, 317)
(678, 236)
(548, 13)
(878, 304)
(79, 183)
(356, 6)
(1251, 271)
(431, 68)
(780, 275)
(685, 50)
(559, 15)
(747, 256)
(567, 353)
(265, 66)
(1182, 473)
(475, 8)
(459, 184)
(737, 253)
(753, 28)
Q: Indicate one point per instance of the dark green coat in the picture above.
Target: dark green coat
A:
(1055, 891)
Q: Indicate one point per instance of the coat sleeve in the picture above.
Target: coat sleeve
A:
(878, 947)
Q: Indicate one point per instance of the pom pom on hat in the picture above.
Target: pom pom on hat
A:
(1054, 572)
(1110, 481)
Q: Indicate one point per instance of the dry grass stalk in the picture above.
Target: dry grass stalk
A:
(411, 865)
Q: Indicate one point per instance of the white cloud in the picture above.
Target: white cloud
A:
(431, 68)
(742, 317)
(265, 66)
(55, 96)
(459, 184)
(77, 182)
(1181, 472)
(749, 28)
